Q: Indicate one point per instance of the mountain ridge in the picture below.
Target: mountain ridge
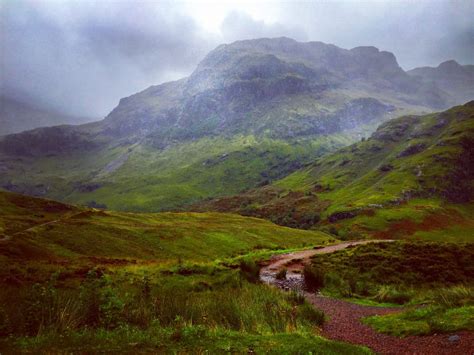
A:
(271, 105)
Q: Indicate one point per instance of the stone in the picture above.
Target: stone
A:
(454, 338)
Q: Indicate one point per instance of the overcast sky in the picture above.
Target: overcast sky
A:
(81, 57)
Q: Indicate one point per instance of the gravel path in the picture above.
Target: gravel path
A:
(344, 317)
(344, 324)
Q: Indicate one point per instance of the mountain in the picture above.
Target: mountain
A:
(252, 112)
(450, 77)
(413, 176)
(16, 116)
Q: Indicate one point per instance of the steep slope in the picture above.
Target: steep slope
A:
(252, 112)
(414, 173)
(275, 87)
(18, 116)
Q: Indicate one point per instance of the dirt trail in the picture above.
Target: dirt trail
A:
(344, 317)
(294, 262)
(6, 237)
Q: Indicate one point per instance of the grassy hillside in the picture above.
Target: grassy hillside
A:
(85, 280)
(58, 231)
(143, 178)
(413, 176)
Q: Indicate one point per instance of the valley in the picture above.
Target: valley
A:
(286, 197)
(251, 113)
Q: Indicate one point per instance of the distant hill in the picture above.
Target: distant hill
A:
(413, 176)
(450, 76)
(16, 116)
(40, 230)
(252, 112)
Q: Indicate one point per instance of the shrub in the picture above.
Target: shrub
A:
(337, 284)
(281, 275)
(250, 270)
(313, 278)
(313, 315)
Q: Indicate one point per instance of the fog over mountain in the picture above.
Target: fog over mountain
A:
(82, 57)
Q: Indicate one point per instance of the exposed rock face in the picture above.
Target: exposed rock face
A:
(272, 86)
(412, 149)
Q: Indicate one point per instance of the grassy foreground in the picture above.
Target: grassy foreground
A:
(85, 280)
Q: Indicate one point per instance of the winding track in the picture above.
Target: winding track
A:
(6, 237)
(344, 317)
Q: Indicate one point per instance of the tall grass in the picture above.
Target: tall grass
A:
(172, 301)
(313, 277)
(456, 296)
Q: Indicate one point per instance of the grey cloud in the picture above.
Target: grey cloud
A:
(239, 25)
(81, 57)
(85, 64)
(419, 33)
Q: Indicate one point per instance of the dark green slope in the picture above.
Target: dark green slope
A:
(414, 175)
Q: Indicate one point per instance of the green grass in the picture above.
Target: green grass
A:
(397, 272)
(87, 237)
(123, 310)
(169, 282)
(152, 179)
(424, 321)
(195, 339)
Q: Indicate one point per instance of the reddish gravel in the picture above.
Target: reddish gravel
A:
(344, 317)
(344, 324)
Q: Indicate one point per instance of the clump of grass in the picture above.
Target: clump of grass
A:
(250, 270)
(281, 275)
(392, 294)
(424, 321)
(456, 296)
(313, 278)
(311, 314)
(296, 297)
(451, 309)
(109, 302)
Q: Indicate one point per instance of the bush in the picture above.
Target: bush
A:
(313, 278)
(308, 312)
(281, 275)
(337, 284)
(250, 270)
